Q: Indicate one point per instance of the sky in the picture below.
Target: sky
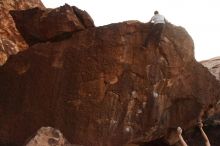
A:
(199, 17)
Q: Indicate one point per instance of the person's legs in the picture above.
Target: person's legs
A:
(155, 34)
(159, 30)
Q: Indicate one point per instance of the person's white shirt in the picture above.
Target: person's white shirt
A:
(157, 18)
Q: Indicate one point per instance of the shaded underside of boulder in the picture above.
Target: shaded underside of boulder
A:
(194, 137)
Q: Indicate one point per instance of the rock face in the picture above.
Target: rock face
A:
(37, 25)
(212, 123)
(48, 136)
(10, 39)
(213, 65)
(102, 87)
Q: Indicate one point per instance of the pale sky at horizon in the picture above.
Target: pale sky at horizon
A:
(199, 17)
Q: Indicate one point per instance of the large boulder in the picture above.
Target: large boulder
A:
(11, 41)
(102, 87)
(213, 66)
(41, 25)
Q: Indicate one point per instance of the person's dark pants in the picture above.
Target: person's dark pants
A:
(155, 34)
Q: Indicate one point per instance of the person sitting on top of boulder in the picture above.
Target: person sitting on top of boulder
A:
(200, 125)
(159, 23)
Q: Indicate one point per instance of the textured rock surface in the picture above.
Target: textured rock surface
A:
(37, 25)
(10, 39)
(101, 87)
(213, 121)
(213, 65)
(48, 136)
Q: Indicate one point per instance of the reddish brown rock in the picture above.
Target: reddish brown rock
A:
(10, 39)
(37, 25)
(101, 87)
(213, 66)
(212, 121)
(83, 17)
(3, 58)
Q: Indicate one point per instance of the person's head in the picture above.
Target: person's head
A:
(156, 12)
